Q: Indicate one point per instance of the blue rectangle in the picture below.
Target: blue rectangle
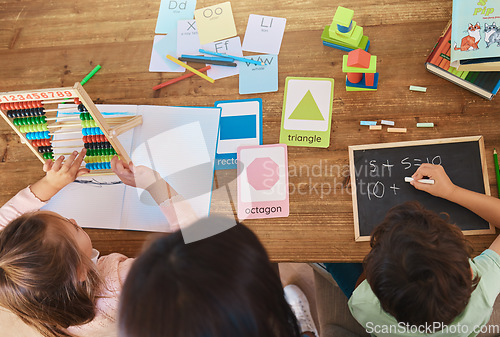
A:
(238, 127)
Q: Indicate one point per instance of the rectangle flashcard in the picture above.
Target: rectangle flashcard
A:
(262, 182)
(171, 11)
(259, 78)
(264, 34)
(230, 46)
(163, 45)
(240, 125)
(306, 119)
(188, 42)
(215, 22)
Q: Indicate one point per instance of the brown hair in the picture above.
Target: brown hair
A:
(39, 275)
(419, 266)
(221, 286)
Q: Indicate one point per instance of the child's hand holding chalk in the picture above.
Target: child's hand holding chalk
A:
(434, 180)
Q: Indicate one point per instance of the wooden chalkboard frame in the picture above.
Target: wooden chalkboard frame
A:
(353, 148)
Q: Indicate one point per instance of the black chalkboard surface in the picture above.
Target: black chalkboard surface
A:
(378, 172)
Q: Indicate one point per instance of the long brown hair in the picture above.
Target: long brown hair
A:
(40, 265)
(221, 286)
(419, 266)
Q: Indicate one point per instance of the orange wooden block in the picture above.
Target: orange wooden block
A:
(355, 77)
(369, 79)
(358, 58)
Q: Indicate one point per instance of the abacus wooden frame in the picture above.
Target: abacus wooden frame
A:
(111, 133)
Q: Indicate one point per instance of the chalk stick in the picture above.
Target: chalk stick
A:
(400, 130)
(416, 88)
(384, 122)
(375, 127)
(367, 123)
(423, 181)
(425, 125)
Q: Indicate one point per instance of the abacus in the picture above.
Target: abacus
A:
(29, 114)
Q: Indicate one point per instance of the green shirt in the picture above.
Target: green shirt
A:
(366, 309)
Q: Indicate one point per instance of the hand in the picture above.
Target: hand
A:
(442, 187)
(59, 175)
(143, 177)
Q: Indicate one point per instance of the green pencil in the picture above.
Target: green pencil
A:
(497, 172)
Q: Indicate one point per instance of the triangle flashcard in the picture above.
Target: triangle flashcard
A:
(307, 109)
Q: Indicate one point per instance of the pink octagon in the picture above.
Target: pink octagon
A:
(263, 173)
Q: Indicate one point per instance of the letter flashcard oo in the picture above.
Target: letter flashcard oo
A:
(262, 182)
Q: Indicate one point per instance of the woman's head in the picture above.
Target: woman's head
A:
(221, 286)
(46, 276)
(419, 266)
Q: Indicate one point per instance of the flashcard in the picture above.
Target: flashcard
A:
(257, 78)
(306, 119)
(264, 34)
(262, 182)
(188, 41)
(240, 125)
(230, 46)
(163, 45)
(215, 22)
(171, 11)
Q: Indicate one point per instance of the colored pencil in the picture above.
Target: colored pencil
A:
(237, 58)
(205, 77)
(226, 59)
(156, 87)
(497, 171)
(214, 62)
(89, 76)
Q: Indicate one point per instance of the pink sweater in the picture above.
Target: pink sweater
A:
(113, 268)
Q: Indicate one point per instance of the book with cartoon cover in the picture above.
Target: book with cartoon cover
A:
(475, 35)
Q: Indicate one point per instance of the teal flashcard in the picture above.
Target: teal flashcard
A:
(162, 46)
(259, 78)
(171, 11)
(306, 119)
(240, 125)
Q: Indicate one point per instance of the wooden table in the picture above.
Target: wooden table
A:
(46, 44)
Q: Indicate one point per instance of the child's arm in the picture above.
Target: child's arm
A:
(485, 206)
(145, 178)
(177, 210)
(33, 197)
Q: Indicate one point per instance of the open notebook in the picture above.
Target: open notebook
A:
(178, 142)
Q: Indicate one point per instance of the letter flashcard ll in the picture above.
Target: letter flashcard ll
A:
(215, 22)
(262, 182)
(306, 119)
(264, 34)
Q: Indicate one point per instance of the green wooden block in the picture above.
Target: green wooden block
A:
(358, 89)
(343, 16)
(371, 69)
(358, 42)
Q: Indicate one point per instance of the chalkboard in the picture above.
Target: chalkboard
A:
(378, 172)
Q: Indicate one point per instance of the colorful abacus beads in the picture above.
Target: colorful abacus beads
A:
(29, 104)
(25, 113)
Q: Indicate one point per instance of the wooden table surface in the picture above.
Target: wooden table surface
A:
(45, 44)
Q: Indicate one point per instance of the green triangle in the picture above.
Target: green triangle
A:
(307, 109)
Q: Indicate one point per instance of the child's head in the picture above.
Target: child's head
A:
(46, 275)
(419, 266)
(221, 286)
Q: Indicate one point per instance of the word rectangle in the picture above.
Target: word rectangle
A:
(240, 125)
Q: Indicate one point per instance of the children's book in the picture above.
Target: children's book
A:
(484, 84)
(178, 142)
(475, 36)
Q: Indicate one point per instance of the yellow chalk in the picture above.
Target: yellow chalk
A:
(182, 64)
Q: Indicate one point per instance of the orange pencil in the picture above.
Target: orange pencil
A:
(156, 87)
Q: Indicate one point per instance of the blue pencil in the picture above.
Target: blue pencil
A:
(205, 58)
(241, 59)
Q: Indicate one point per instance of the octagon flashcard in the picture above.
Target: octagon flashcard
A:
(262, 182)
